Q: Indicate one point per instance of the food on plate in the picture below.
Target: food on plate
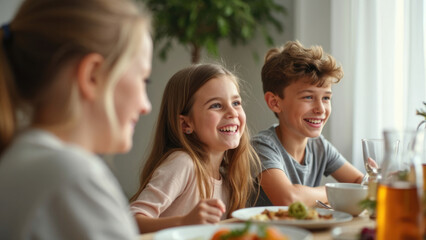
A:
(263, 233)
(296, 211)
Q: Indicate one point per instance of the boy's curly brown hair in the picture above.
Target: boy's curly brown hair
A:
(292, 62)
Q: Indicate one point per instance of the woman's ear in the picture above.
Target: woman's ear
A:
(89, 75)
(273, 102)
(185, 125)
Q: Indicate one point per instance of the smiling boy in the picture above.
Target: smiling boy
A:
(295, 156)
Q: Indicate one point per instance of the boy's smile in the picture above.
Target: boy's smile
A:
(314, 122)
(304, 110)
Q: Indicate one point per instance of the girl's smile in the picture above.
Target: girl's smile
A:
(229, 129)
(217, 117)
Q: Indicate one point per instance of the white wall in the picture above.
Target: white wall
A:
(312, 22)
(340, 122)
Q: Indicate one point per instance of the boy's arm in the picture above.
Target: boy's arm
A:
(281, 192)
(348, 173)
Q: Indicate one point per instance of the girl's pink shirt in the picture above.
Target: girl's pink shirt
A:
(173, 191)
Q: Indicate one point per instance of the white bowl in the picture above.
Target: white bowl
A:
(345, 197)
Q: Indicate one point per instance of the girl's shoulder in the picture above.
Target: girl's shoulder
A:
(177, 165)
(178, 159)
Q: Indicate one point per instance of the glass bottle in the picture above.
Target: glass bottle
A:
(400, 191)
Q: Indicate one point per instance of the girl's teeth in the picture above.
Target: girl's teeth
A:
(228, 129)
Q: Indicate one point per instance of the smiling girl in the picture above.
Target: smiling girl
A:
(201, 161)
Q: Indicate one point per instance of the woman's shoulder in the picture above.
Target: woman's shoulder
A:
(43, 151)
(73, 166)
(51, 163)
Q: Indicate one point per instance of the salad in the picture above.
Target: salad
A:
(263, 232)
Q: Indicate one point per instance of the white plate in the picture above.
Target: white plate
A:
(346, 233)
(205, 232)
(245, 214)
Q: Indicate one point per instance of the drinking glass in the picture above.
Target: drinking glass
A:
(373, 151)
(399, 194)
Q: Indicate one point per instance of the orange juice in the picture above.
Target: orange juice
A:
(399, 213)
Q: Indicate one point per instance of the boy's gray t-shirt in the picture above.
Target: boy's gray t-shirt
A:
(321, 159)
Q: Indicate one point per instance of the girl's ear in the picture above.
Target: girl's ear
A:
(89, 75)
(185, 124)
(273, 102)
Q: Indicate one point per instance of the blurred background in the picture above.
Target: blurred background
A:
(379, 43)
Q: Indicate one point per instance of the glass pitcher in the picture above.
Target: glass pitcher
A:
(400, 191)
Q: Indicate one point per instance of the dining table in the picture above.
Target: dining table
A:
(357, 222)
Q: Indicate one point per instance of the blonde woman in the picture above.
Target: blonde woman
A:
(199, 169)
(75, 71)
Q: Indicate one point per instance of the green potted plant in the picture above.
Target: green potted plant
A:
(201, 24)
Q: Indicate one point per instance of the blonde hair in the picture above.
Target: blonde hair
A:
(45, 35)
(178, 99)
(293, 62)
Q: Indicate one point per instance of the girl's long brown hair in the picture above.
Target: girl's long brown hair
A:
(239, 164)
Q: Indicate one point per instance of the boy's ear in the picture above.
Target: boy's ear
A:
(273, 102)
(185, 125)
(89, 75)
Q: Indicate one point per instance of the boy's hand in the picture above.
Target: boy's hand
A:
(206, 211)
